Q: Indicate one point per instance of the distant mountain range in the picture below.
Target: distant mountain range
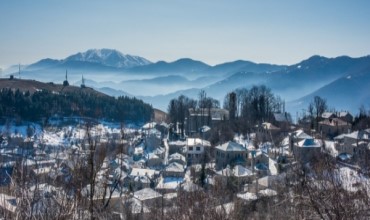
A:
(344, 81)
(93, 57)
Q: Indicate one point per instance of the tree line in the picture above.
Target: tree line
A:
(44, 104)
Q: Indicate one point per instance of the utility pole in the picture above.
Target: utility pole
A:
(19, 71)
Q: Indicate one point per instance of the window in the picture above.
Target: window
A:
(198, 148)
(190, 148)
(189, 155)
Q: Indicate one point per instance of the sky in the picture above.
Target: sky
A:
(213, 31)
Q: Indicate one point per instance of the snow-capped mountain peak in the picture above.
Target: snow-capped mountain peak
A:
(109, 57)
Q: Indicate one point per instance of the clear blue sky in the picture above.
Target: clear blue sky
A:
(213, 31)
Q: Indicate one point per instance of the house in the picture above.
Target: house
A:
(196, 149)
(345, 116)
(204, 116)
(176, 146)
(148, 197)
(178, 158)
(328, 115)
(333, 127)
(282, 121)
(351, 143)
(241, 173)
(153, 160)
(169, 184)
(174, 169)
(141, 178)
(230, 153)
(306, 150)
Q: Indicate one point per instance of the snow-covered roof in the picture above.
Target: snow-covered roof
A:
(149, 125)
(343, 114)
(267, 192)
(175, 167)
(345, 156)
(152, 156)
(364, 135)
(169, 183)
(146, 193)
(189, 186)
(327, 115)
(197, 141)
(269, 126)
(309, 142)
(281, 117)
(238, 171)
(231, 146)
(301, 134)
(247, 196)
(178, 143)
(176, 156)
(139, 150)
(143, 172)
(164, 124)
(205, 128)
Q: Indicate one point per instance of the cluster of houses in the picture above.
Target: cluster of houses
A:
(154, 168)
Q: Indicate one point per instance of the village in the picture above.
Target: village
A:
(72, 170)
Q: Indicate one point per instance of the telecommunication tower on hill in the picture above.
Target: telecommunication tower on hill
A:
(83, 82)
(65, 82)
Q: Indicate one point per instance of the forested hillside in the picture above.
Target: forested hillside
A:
(77, 102)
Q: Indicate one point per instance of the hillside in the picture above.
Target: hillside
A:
(349, 92)
(33, 100)
(33, 86)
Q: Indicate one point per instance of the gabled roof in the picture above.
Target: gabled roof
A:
(175, 167)
(149, 125)
(146, 193)
(238, 171)
(362, 135)
(301, 134)
(344, 114)
(197, 141)
(169, 183)
(143, 172)
(333, 122)
(152, 156)
(176, 156)
(309, 142)
(281, 117)
(231, 146)
(247, 196)
(328, 115)
(269, 126)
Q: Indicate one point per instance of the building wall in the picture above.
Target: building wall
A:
(332, 130)
(230, 158)
(306, 154)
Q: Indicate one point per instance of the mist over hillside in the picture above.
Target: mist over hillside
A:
(115, 73)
